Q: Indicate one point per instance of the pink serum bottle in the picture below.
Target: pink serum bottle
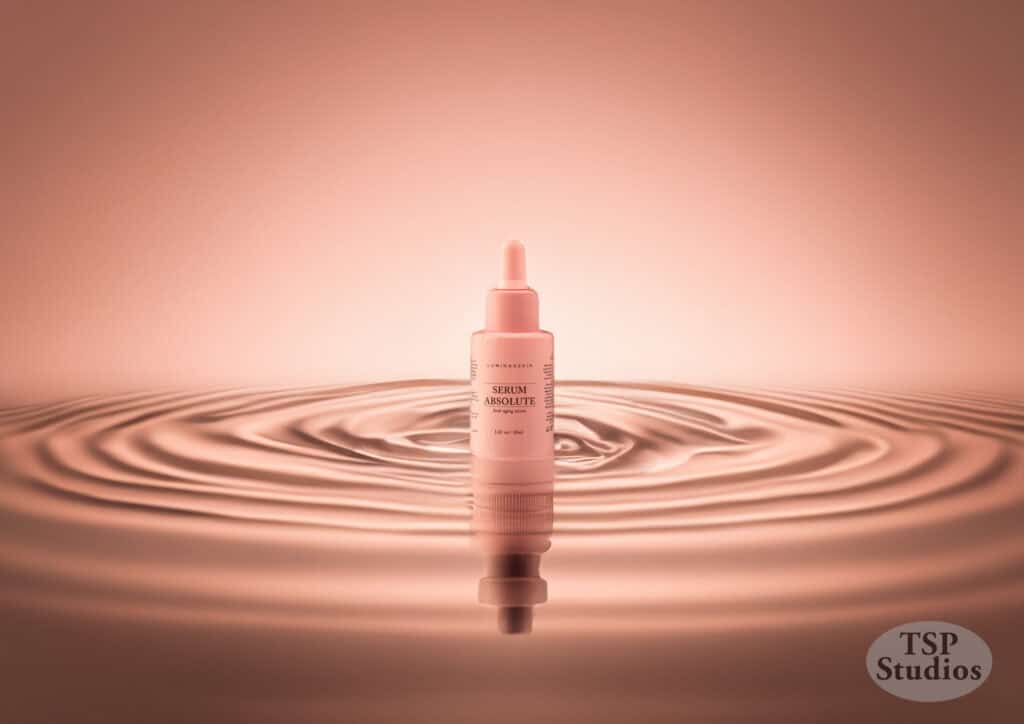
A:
(511, 418)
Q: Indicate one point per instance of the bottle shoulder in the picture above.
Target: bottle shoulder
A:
(536, 334)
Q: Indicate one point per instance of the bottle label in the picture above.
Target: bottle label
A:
(513, 400)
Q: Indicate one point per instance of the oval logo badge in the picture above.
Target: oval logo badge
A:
(929, 661)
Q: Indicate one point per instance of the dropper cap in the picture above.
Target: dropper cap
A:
(513, 265)
(512, 306)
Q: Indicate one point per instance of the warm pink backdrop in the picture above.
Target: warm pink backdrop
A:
(284, 193)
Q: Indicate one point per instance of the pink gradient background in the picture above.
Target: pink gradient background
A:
(814, 193)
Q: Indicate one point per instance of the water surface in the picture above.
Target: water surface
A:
(716, 555)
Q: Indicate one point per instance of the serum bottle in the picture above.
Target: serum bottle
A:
(511, 416)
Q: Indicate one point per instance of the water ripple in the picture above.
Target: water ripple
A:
(849, 499)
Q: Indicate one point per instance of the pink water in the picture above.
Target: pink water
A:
(308, 555)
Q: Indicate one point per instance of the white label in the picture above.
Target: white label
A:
(513, 404)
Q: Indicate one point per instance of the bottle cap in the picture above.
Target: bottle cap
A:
(513, 265)
(512, 306)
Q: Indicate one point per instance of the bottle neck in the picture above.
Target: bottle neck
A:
(512, 310)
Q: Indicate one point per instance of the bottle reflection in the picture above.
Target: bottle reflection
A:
(512, 527)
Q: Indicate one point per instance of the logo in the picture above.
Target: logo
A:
(929, 661)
